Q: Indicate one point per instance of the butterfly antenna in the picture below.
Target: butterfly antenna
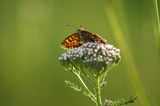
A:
(71, 26)
(79, 27)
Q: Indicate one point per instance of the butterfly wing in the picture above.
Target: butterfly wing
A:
(97, 38)
(90, 37)
(72, 41)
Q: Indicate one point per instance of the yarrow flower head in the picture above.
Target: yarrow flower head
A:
(95, 57)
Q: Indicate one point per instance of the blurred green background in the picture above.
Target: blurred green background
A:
(31, 32)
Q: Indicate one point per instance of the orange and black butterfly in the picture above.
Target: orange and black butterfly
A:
(80, 37)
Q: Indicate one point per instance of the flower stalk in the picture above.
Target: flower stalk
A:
(92, 97)
(98, 92)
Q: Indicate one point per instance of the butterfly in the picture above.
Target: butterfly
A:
(80, 37)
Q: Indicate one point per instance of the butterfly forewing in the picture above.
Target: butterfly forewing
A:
(72, 41)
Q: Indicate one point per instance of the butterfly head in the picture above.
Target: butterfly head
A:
(80, 28)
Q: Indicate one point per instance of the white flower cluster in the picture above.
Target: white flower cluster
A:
(94, 56)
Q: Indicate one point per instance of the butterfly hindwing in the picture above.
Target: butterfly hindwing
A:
(90, 37)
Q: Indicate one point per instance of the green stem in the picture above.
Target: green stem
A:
(92, 82)
(98, 92)
(88, 77)
(93, 98)
(157, 14)
(158, 22)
